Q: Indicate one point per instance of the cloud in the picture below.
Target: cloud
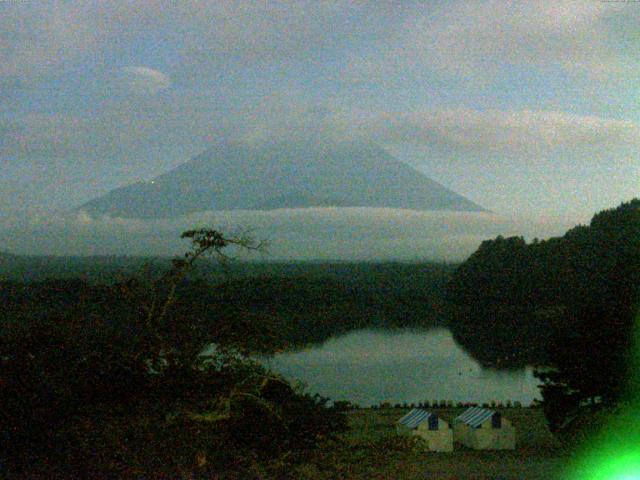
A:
(535, 32)
(251, 70)
(372, 39)
(313, 233)
(45, 39)
(514, 135)
(121, 129)
(143, 80)
(39, 40)
(478, 41)
(509, 132)
(58, 160)
(142, 139)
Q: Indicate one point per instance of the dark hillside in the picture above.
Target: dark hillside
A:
(302, 302)
(512, 300)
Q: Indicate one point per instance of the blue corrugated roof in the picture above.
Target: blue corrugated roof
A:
(474, 416)
(415, 417)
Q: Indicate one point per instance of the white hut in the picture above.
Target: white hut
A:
(484, 429)
(433, 430)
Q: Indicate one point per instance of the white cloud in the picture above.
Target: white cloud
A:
(516, 135)
(118, 131)
(477, 40)
(235, 55)
(313, 233)
(36, 40)
(45, 38)
(459, 37)
(522, 132)
(533, 32)
(124, 131)
(144, 80)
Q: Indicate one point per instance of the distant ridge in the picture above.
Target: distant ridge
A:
(233, 176)
(4, 255)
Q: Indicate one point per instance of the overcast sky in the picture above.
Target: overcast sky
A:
(529, 108)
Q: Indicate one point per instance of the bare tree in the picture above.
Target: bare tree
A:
(153, 298)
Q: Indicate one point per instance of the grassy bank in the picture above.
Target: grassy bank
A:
(372, 450)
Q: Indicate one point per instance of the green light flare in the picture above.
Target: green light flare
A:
(612, 466)
(614, 454)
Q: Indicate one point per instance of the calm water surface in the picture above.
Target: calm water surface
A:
(371, 366)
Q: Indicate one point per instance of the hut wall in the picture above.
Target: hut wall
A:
(440, 440)
(403, 430)
(503, 438)
(437, 440)
(486, 437)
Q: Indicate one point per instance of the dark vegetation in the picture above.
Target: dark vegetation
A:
(568, 303)
(298, 303)
(98, 382)
(101, 371)
(111, 268)
(110, 382)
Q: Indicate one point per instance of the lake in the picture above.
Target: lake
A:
(372, 366)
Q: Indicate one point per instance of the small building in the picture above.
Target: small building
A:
(432, 429)
(483, 429)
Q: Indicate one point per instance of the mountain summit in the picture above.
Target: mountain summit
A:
(281, 175)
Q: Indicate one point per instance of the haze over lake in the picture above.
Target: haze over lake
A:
(371, 366)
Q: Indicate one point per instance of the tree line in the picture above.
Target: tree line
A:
(135, 394)
(567, 303)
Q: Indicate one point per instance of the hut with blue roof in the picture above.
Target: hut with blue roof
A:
(484, 429)
(432, 429)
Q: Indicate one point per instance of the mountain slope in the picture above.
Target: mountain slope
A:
(235, 176)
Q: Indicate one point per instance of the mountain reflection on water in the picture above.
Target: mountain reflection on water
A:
(367, 367)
